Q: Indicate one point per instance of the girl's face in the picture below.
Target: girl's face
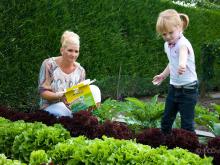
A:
(172, 35)
(70, 53)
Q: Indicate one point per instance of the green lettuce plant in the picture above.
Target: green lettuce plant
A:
(8, 132)
(5, 161)
(38, 137)
(113, 151)
(73, 148)
(38, 157)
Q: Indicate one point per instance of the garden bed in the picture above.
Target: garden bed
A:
(145, 117)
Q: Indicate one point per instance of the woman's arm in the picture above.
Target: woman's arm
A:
(44, 84)
(52, 96)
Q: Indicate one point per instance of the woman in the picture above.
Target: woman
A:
(59, 73)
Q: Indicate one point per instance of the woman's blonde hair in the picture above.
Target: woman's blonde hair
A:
(69, 38)
(171, 18)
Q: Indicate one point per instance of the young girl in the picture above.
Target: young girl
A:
(183, 89)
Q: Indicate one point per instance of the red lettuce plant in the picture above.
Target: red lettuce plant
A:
(117, 130)
(6, 113)
(183, 139)
(152, 137)
(214, 143)
(214, 149)
(42, 116)
(201, 150)
(39, 115)
(82, 123)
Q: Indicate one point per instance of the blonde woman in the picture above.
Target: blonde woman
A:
(183, 89)
(59, 73)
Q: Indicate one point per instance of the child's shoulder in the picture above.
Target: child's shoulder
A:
(183, 41)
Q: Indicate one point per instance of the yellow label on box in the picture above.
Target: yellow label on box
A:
(79, 97)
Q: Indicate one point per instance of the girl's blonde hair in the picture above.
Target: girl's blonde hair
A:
(171, 18)
(69, 38)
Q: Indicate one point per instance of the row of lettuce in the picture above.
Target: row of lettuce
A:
(133, 119)
(118, 119)
(36, 143)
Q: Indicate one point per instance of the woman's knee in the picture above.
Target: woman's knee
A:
(58, 109)
(96, 93)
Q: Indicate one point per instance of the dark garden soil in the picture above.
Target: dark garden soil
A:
(206, 102)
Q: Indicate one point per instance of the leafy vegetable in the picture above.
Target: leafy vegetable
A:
(38, 157)
(113, 151)
(38, 137)
(8, 132)
(5, 161)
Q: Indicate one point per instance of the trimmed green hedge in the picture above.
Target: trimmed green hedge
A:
(119, 45)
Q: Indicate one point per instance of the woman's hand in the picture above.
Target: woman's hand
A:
(60, 96)
(65, 101)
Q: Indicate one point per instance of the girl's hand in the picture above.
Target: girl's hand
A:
(181, 70)
(157, 80)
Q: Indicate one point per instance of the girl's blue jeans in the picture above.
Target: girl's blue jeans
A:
(180, 100)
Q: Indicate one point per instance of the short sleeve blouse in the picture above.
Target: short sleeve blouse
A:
(52, 78)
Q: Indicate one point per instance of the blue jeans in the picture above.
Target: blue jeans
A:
(183, 101)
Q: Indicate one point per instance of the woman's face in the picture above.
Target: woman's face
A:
(171, 35)
(70, 53)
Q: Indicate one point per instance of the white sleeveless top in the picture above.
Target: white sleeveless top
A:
(173, 56)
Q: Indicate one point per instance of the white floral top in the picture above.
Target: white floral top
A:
(52, 78)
